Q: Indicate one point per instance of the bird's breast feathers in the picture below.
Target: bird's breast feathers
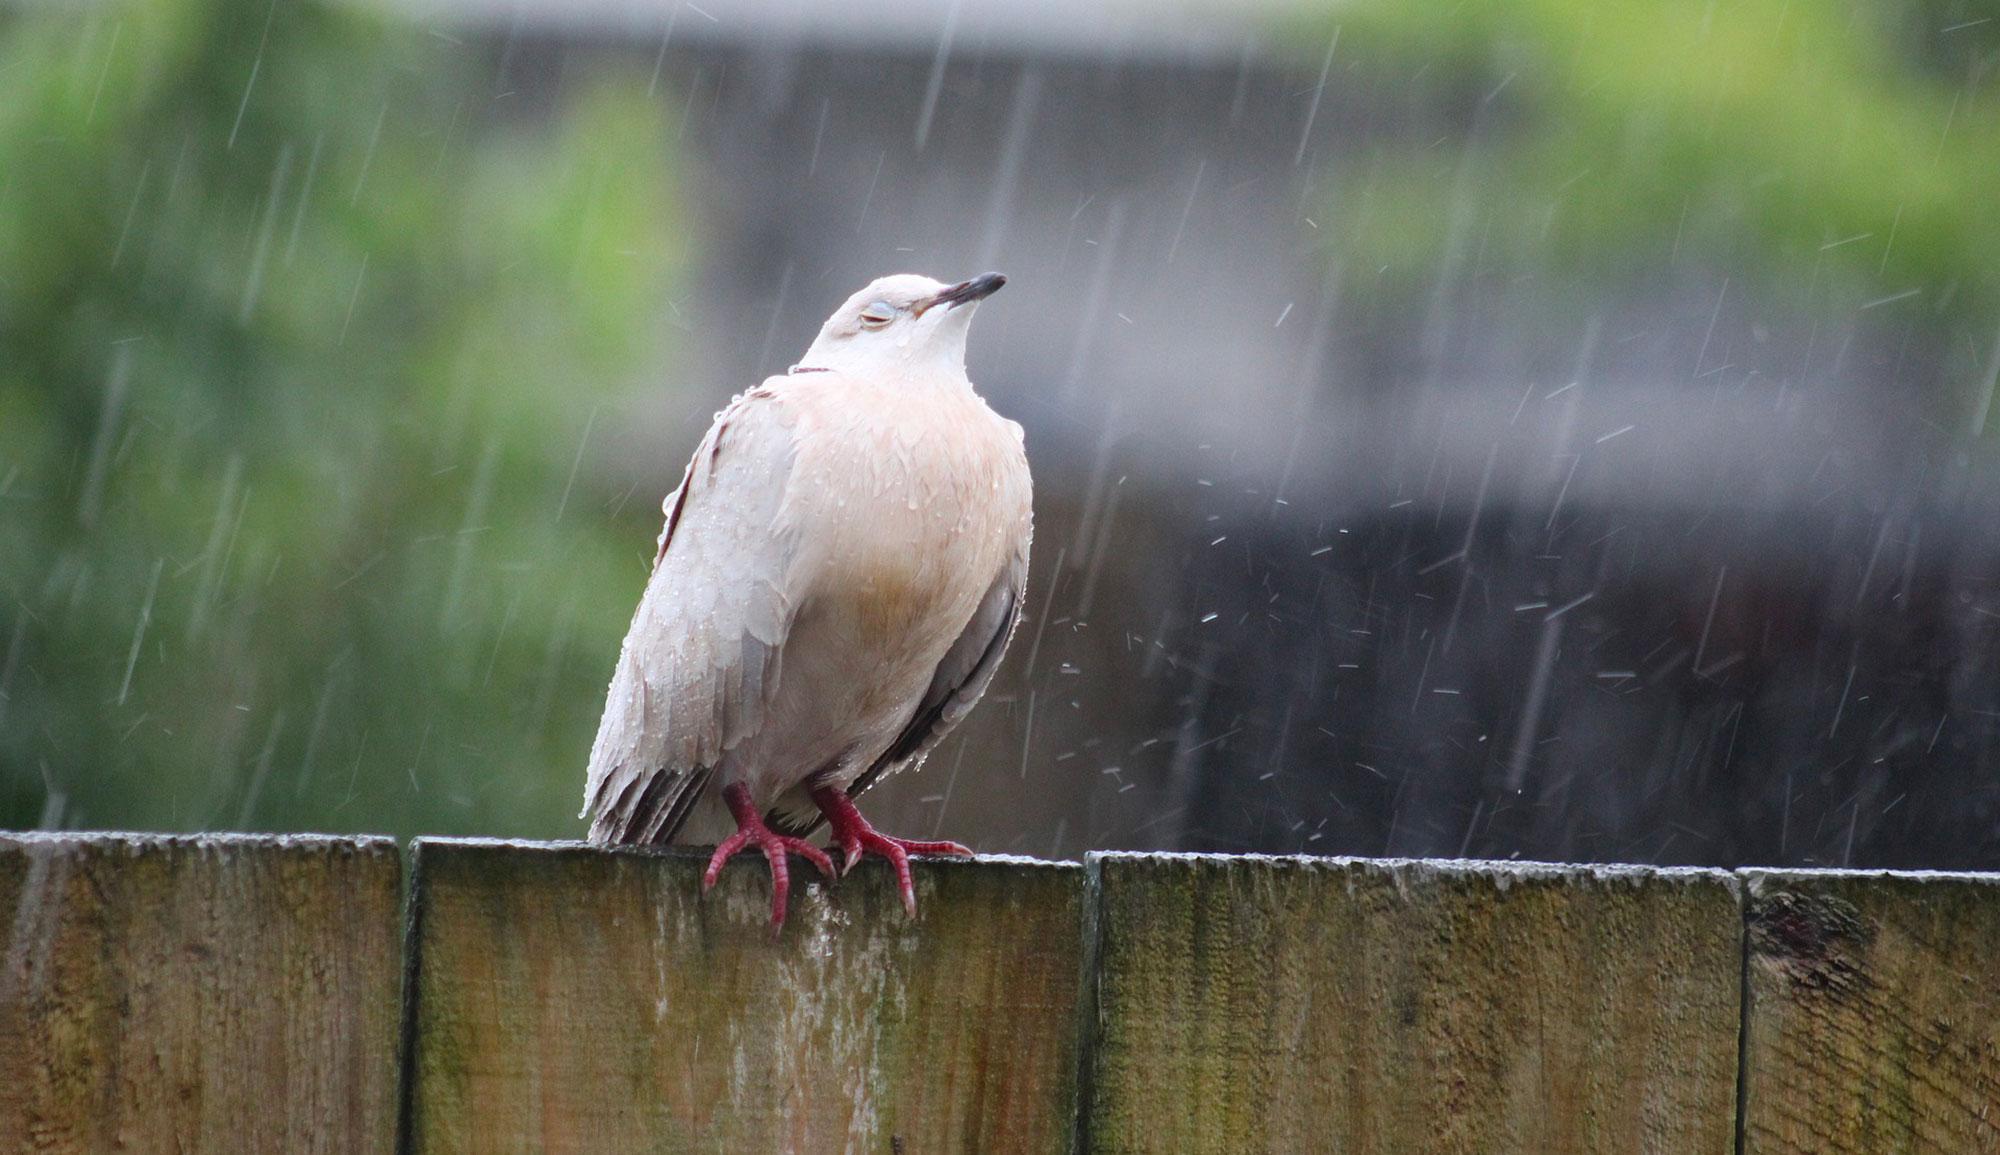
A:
(926, 492)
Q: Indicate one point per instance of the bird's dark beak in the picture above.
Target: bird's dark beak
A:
(965, 292)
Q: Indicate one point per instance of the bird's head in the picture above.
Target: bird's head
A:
(903, 320)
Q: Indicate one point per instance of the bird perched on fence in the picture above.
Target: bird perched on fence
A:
(840, 571)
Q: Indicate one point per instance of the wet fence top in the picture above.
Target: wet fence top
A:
(291, 994)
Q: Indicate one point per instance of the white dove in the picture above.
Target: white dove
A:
(840, 571)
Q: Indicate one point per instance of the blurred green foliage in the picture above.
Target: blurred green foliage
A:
(299, 343)
(1828, 155)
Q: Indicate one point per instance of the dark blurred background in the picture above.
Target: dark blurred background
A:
(1554, 428)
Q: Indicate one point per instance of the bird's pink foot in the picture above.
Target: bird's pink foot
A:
(751, 831)
(855, 837)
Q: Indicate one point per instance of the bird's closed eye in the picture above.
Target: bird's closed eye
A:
(878, 314)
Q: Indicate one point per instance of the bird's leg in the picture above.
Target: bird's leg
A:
(856, 837)
(751, 831)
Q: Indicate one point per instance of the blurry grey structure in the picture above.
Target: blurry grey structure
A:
(1680, 580)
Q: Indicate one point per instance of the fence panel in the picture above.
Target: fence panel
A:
(1287, 1005)
(1873, 1013)
(571, 999)
(224, 993)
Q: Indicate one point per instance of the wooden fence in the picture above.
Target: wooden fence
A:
(283, 994)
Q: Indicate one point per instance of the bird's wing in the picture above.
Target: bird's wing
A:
(701, 660)
(961, 678)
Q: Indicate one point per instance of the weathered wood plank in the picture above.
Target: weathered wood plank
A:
(1290, 1005)
(208, 994)
(1873, 1013)
(576, 999)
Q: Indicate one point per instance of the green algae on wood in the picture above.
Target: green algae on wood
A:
(576, 999)
(1296, 1005)
(212, 993)
(1873, 1020)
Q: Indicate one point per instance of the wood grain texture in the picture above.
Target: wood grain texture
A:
(210, 994)
(577, 999)
(1873, 1013)
(1295, 1005)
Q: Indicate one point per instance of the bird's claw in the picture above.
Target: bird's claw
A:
(752, 832)
(853, 836)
